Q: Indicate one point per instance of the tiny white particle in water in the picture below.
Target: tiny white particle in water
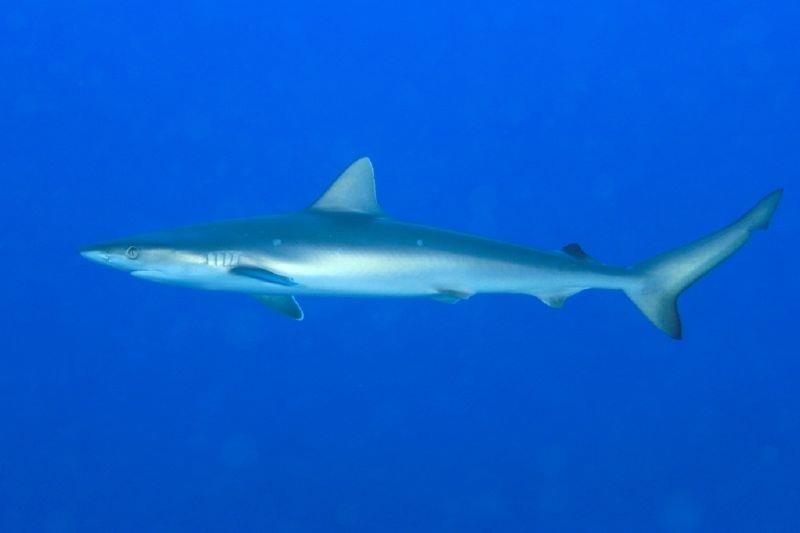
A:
(276, 242)
(419, 242)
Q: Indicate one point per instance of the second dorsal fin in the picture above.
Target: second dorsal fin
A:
(574, 249)
(353, 191)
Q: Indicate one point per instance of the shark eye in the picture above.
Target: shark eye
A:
(132, 252)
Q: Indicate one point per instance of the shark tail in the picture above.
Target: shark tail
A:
(657, 282)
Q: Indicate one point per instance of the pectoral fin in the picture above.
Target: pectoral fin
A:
(285, 305)
(263, 274)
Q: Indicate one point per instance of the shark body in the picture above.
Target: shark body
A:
(343, 244)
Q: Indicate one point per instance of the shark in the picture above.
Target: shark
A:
(343, 244)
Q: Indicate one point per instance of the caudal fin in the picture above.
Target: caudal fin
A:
(659, 281)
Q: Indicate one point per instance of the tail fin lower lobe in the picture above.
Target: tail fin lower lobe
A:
(660, 280)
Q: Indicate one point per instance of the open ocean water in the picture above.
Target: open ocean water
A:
(629, 127)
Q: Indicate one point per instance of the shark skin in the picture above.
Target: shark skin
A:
(344, 245)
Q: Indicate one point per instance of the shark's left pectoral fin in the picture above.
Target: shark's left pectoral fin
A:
(285, 305)
(262, 274)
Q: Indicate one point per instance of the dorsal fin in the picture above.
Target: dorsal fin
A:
(353, 191)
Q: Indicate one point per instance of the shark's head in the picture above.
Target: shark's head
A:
(148, 259)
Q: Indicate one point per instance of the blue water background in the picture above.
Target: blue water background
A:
(629, 127)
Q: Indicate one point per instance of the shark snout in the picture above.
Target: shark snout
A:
(93, 254)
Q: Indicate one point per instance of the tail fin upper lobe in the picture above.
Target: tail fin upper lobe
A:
(659, 281)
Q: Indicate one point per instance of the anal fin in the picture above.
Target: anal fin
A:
(556, 299)
(450, 296)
